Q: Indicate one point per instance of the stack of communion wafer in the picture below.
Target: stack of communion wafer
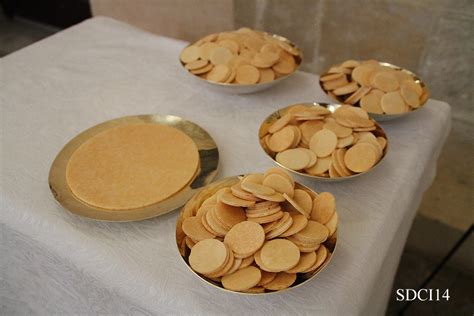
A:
(259, 233)
(244, 56)
(374, 87)
(313, 140)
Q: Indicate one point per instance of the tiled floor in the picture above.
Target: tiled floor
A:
(429, 240)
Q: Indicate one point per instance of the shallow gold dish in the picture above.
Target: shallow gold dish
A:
(208, 163)
(331, 107)
(195, 202)
(386, 117)
(234, 88)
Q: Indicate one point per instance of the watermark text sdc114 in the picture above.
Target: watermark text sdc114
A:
(423, 295)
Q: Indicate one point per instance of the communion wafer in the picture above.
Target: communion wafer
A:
(299, 222)
(243, 279)
(208, 255)
(279, 183)
(281, 281)
(324, 206)
(307, 260)
(245, 238)
(138, 165)
(279, 255)
(193, 227)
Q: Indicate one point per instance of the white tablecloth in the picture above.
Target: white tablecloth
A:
(56, 262)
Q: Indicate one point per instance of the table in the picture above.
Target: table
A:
(56, 262)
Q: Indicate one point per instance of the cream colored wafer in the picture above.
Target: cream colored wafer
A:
(335, 83)
(371, 102)
(309, 128)
(196, 64)
(295, 159)
(228, 265)
(245, 238)
(332, 76)
(409, 93)
(230, 199)
(242, 194)
(264, 212)
(357, 95)
(266, 219)
(193, 227)
(393, 103)
(345, 141)
(321, 255)
(385, 81)
(332, 224)
(336, 128)
(314, 232)
(202, 72)
(321, 166)
(266, 75)
(242, 280)
(276, 197)
(299, 222)
(303, 198)
(307, 260)
(214, 224)
(324, 207)
(279, 255)
(361, 157)
(247, 74)
(280, 123)
(219, 73)
(282, 281)
(296, 206)
(267, 277)
(208, 256)
(189, 242)
(282, 139)
(247, 261)
(347, 89)
(282, 225)
(190, 54)
(382, 142)
(280, 172)
(206, 49)
(229, 215)
(323, 143)
(279, 183)
(361, 74)
(256, 188)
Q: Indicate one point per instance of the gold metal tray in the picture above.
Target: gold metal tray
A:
(208, 163)
(235, 88)
(331, 107)
(388, 117)
(195, 202)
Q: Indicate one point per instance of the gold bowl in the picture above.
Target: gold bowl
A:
(331, 107)
(235, 88)
(386, 117)
(193, 205)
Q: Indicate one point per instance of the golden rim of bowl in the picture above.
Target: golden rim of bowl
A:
(331, 107)
(193, 204)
